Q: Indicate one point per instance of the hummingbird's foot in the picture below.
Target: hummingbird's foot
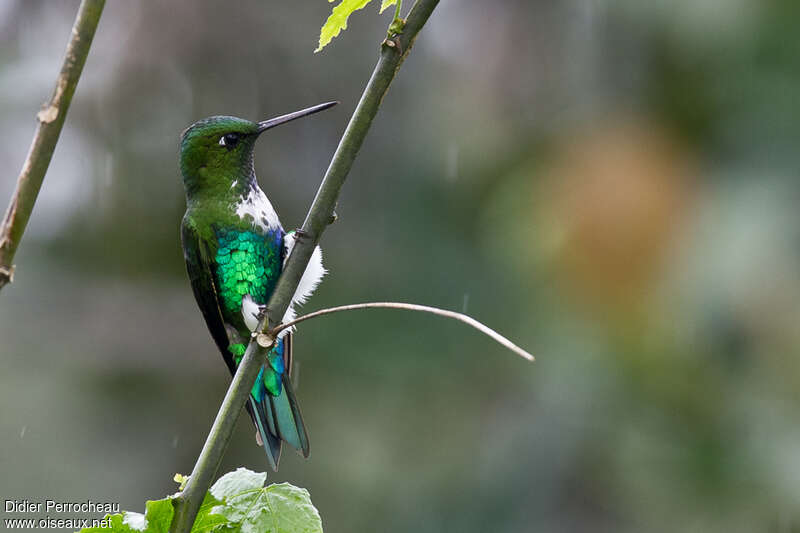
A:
(334, 218)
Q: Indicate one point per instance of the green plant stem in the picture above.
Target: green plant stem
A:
(397, 9)
(51, 119)
(468, 320)
(320, 215)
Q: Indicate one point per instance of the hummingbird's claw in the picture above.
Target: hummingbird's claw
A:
(334, 218)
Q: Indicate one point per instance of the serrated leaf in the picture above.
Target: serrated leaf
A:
(387, 3)
(237, 503)
(236, 482)
(337, 21)
(278, 508)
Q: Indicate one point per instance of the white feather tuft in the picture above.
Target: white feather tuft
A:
(250, 311)
(308, 283)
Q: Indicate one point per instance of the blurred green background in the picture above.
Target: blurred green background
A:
(612, 184)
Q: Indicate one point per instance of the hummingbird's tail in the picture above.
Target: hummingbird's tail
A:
(277, 419)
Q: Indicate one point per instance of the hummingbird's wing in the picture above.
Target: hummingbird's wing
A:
(199, 267)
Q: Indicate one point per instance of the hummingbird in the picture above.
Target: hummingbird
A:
(235, 248)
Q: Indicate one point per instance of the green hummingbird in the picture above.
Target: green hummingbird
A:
(235, 247)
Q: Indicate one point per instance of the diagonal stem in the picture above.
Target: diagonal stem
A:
(51, 119)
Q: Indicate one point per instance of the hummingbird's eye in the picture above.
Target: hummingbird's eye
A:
(229, 140)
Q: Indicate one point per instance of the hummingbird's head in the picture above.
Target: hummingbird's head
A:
(217, 152)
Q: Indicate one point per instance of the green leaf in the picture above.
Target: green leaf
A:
(237, 503)
(337, 21)
(158, 514)
(236, 482)
(278, 508)
(387, 3)
(207, 519)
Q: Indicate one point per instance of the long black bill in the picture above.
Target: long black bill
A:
(277, 121)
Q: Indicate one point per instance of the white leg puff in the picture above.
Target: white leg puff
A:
(311, 278)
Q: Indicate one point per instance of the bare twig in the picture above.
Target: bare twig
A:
(319, 216)
(486, 330)
(51, 119)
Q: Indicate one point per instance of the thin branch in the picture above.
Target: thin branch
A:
(320, 215)
(51, 119)
(486, 330)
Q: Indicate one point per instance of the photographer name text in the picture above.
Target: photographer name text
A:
(53, 506)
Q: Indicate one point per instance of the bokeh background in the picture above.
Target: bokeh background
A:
(612, 184)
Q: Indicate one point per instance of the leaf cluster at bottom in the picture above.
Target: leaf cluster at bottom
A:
(238, 502)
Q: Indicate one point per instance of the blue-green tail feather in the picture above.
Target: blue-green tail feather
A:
(275, 410)
(271, 443)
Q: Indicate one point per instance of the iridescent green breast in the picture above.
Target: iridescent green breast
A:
(248, 262)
